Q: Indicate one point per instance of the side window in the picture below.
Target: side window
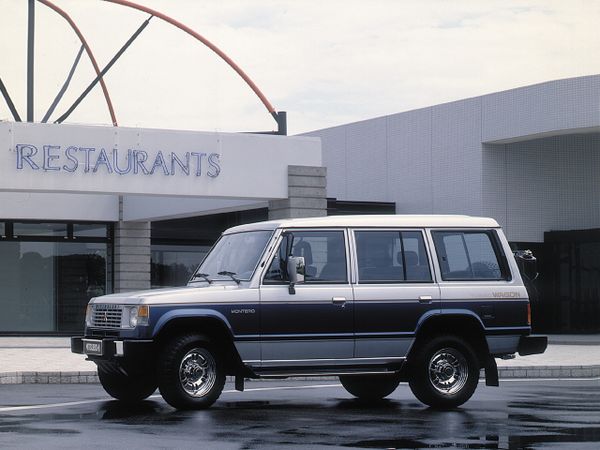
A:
(324, 254)
(391, 257)
(468, 255)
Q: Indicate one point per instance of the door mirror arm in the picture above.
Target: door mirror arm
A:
(296, 270)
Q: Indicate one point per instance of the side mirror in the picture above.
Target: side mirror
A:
(527, 264)
(296, 270)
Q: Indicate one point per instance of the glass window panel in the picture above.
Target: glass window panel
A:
(173, 265)
(2, 229)
(379, 256)
(45, 286)
(94, 230)
(484, 262)
(81, 274)
(415, 256)
(391, 256)
(237, 253)
(467, 256)
(40, 229)
(324, 254)
(27, 286)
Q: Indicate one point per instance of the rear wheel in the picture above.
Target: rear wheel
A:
(444, 372)
(126, 387)
(190, 372)
(370, 387)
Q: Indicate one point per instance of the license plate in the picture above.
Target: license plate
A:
(92, 347)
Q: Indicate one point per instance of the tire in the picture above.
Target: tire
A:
(125, 387)
(190, 372)
(370, 387)
(444, 372)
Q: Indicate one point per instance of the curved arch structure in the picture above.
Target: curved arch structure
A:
(88, 50)
(209, 44)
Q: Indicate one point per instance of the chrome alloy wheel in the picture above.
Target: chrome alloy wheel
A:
(198, 372)
(448, 371)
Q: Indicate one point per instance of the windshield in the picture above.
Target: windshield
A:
(235, 254)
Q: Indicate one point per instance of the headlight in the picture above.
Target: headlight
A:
(138, 315)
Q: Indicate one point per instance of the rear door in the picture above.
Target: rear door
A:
(394, 290)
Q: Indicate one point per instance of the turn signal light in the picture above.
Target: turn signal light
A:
(143, 311)
(529, 314)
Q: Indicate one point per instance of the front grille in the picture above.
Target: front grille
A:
(107, 316)
(95, 333)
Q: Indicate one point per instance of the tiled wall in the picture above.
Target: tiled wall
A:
(543, 185)
(436, 159)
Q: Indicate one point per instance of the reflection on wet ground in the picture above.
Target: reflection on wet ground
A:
(515, 416)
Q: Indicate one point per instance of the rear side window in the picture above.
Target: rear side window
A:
(469, 255)
(391, 257)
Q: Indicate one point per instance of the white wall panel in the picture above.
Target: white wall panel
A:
(494, 199)
(457, 158)
(366, 160)
(409, 165)
(556, 105)
(43, 206)
(335, 160)
(37, 157)
(548, 184)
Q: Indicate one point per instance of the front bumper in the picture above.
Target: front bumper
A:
(113, 349)
(532, 345)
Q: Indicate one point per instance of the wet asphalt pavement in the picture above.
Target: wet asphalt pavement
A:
(320, 414)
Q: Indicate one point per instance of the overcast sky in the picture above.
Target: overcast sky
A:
(326, 62)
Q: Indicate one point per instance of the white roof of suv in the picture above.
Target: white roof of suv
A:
(416, 221)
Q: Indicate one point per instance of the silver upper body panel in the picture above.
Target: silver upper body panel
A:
(199, 291)
(409, 221)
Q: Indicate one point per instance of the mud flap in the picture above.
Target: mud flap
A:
(239, 383)
(491, 372)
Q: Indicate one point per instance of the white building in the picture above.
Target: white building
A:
(90, 210)
(76, 205)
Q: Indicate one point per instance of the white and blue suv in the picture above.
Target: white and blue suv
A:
(375, 300)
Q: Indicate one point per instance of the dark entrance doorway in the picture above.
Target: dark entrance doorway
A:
(569, 282)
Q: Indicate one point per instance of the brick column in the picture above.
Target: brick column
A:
(131, 255)
(307, 194)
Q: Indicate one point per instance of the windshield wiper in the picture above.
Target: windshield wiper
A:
(230, 274)
(202, 275)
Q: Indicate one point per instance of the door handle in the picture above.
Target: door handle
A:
(425, 299)
(341, 301)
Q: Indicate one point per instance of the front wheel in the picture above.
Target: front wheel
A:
(370, 387)
(190, 373)
(129, 388)
(444, 372)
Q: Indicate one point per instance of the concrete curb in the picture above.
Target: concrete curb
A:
(48, 377)
(558, 372)
(549, 372)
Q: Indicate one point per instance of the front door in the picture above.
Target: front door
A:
(314, 326)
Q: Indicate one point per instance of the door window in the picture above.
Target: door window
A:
(324, 254)
(391, 257)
